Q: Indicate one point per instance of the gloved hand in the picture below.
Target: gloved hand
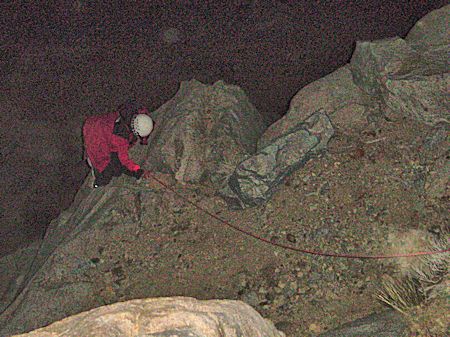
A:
(138, 174)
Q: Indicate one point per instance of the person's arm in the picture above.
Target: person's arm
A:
(121, 146)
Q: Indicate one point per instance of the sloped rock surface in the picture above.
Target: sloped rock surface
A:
(430, 37)
(78, 217)
(12, 267)
(176, 316)
(336, 94)
(410, 77)
(203, 132)
(437, 185)
(386, 324)
(255, 179)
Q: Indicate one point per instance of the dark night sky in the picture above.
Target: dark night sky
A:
(271, 49)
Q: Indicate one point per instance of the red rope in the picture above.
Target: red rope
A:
(306, 251)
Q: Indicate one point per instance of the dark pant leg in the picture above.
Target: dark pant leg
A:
(102, 178)
(114, 169)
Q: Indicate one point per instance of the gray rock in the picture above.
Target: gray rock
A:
(172, 316)
(386, 324)
(252, 298)
(89, 209)
(203, 132)
(255, 179)
(408, 77)
(345, 103)
(431, 38)
(438, 181)
(13, 269)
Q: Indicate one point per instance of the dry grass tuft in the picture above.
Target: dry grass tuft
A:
(418, 281)
(400, 293)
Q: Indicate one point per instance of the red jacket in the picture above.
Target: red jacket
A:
(100, 142)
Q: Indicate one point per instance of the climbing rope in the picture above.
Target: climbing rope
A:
(296, 249)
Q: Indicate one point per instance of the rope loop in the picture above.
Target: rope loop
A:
(296, 249)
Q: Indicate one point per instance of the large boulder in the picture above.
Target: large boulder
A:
(430, 37)
(172, 316)
(343, 107)
(392, 77)
(346, 105)
(256, 178)
(203, 132)
(408, 77)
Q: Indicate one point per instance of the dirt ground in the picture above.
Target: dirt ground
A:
(357, 198)
(367, 190)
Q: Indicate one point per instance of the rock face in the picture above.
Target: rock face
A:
(386, 324)
(255, 179)
(336, 94)
(12, 268)
(175, 316)
(409, 77)
(405, 77)
(203, 132)
(430, 37)
(394, 77)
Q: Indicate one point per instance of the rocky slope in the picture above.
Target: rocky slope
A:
(381, 175)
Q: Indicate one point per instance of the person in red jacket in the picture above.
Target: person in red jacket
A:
(108, 137)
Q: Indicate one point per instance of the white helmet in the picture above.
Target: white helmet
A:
(142, 125)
